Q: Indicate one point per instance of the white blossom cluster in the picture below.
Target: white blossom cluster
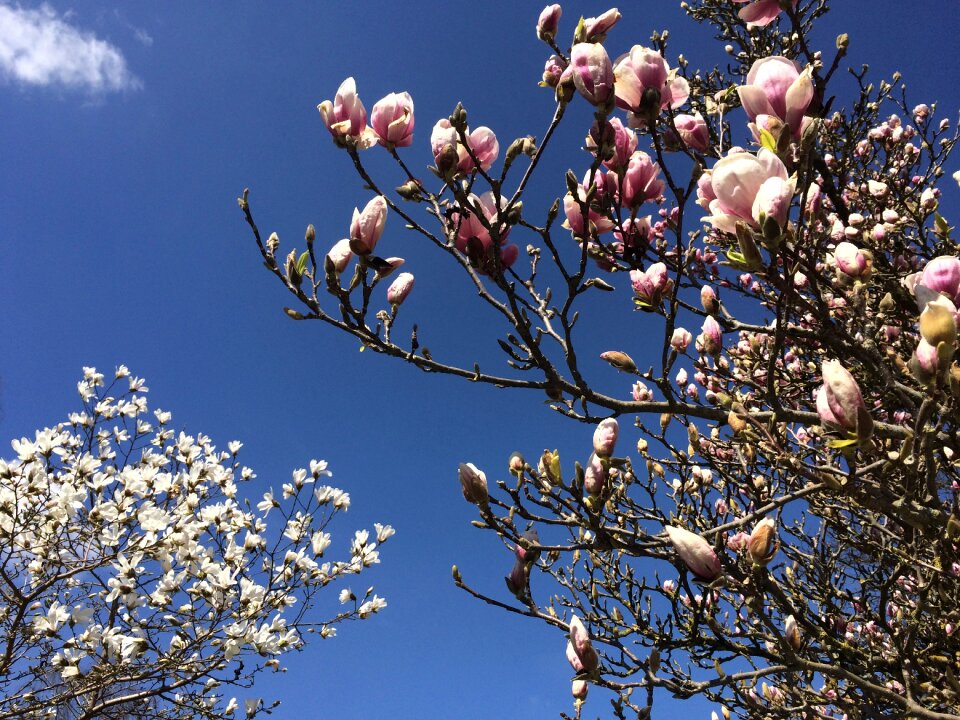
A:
(134, 580)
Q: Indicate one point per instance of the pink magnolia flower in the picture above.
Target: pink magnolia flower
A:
(681, 339)
(772, 203)
(776, 88)
(399, 289)
(640, 181)
(389, 267)
(552, 71)
(692, 130)
(474, 239)
(942, 275)
(346, 118)
(710, 341)
(580, 651)
(651, 285)
(695, 551)
(548, 22)
(597, 223)
(594, 475)
(605, 437)
(735, 183)
(579, 689)
(635, 233)
(592, 72)
(709, 300)
(392, 120)
(760, 13)
(839, 401)
(641, 393)
(367, 226)
(852, 261)
(925, 362)
(595, 29)
(644, 84)
(340, 254)
(482, 141)
(616, 142)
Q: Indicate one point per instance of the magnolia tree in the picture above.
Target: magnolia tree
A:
(135, 581)
(769, 519)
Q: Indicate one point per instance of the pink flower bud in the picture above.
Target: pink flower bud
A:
(641, 393)
(552, 71)
(692, 129)
(711, 337)
(791, 633)
(389, 267)
(925, 363)
(399, 289)
(548, 22)
(595, 29)
(763, 544)
(839, 401)
(614, 142)
(681, 339)
(392, 120)
(708, 300)
(852, 261)
(444, 141)
(367, 226)
(773, 201)
(645, 85)
(528, 554)
(592, 72)
(579, 689)
(641, 181)
(695, 552)
(340, 254)
(518, 580)
(594, 475)
(605, 437)
(582, 647)
(346, 118)
(473, 482)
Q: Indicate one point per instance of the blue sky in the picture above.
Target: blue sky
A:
(127, 136)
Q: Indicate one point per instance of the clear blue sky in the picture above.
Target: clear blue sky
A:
(122, 243)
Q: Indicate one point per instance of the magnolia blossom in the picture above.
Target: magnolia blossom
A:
(474, 237)
(692, 130)
(592, 72)
(613, 142)
(762, 543)
(681, 339)
(392, 120)
(399, 289)
(118, 550)
(760, 13)
(340, 255)
(605, 437)
(594, 475)
(651, 285)
(696, 553)
(710, 340)
(641, 181)
(735, 184)
(451, 155)
(839, 401)
(580, 652)
(775, 88)
(367, 226)
(346, 118)
(595, 29)
(548, 22)
(852, 261)
(942, 275)
(644, 84)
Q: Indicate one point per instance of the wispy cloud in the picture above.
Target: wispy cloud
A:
(39, 47)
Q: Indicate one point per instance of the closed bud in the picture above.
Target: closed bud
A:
(937, 324)
(273, 243)
(411, 190)
(399, 289)
(579, 689)
(516, 463)
(695, 551)
(763, 543)
(474, 484)
(791, 633)
(549, 467)
(620, 360)
(605, 437)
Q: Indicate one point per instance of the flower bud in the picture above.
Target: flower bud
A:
(938, 324)
(549, 467)
(605, 437)
(651, 285)
(695, 552)
(517, 581)
(474, 484)
(620, 360)
(852, 261)
(594, 476)
(399, 289)
(763, 542)
(582, 647)
(367, 226)
(592, 72)
(523, 551)
(709, 300)
(791, 633)
(595, 29)
(548, 23)
(681, 339)
(516, 464)
(840, 403)
(340, 255)
(579, 689)
(710, 341)
(392, 120)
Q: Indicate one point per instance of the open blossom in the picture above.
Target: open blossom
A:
(760, 13)
(681, 339)
(695, 551)
(595, 29)
(346, 118)
(692, 130)
(392, 120)
(474, 239)
(736, 181)
(651, 285)
(644, 84)
(775, 88)
(592, 72)
(367, 226)
(444, 141)
(614, 142)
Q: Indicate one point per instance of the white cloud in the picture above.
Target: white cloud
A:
(39, 47)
